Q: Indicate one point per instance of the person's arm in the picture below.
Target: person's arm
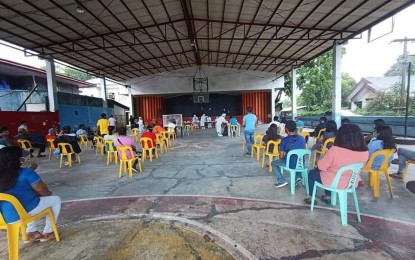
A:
(41, 189)
(327, 160)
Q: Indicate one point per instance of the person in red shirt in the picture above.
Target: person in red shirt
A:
(149, 133)
(51, 134)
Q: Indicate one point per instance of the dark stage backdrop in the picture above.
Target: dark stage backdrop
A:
(219, 103)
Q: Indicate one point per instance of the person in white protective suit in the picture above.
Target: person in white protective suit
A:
(202, 121)
(219, 121)
(194, 121)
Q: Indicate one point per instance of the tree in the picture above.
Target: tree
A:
(315, 79)
(348, 82)
(396, 68)
(77, 74)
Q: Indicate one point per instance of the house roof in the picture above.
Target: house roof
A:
(373, 84)
(11, 68)
(128, 39)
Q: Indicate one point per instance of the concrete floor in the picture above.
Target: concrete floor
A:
(206, 184)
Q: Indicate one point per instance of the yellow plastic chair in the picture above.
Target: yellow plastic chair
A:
(166, 138)
(99, 145)
(67, 150)
(134, 134)
(320, 133)
(25, 218)
(233, 130)
(257, 146)
(374, 180)
(51, 146)
(160, 144)
(299, 129)
(243, 144)
(306, 136)
(172, 132)
(26, 146)
(146, 143)
(125, 162)
(111, 151)
(405, 172)
(271, 155)
(84, 142)
(323, 150)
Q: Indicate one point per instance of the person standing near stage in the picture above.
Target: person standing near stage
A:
(112, 123)
(249, 122)
(202, 121)
(102, 125)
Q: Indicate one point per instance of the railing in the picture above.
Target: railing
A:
(366, 123)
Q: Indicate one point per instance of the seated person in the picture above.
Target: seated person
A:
(345, 121)
(66, 136)
(321, 125)
(403, 156)
(158, 129)
(290, 142)
(123, 139)
(376, 123)
(51, 134)
(298, 122)
(384, 140)
(275, 122)
(233, 121)
(331, 131)
(149, 133)
(29, 189)
(349, 147)
(271, 135)
(81, 131)
(22, 134)
(23, 125)
(4, 136)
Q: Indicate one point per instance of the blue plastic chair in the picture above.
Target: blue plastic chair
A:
(301, 166)
(351, 188)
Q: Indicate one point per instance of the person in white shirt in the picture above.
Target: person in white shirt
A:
(195, 121)
(112, 122)
(140, 125)
(202, 121)
(219, 121)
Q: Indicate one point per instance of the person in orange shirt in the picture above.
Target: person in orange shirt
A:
(158, 129)
(51, 134)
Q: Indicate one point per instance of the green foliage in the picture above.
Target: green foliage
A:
(317, 112)
(396, 68)
(348, 82)
(77, 74)
(315, 79)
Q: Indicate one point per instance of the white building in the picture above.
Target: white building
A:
(115, 91)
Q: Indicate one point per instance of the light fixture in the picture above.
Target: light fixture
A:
(79, 9)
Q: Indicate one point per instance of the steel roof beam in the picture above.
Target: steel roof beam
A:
(191, 31)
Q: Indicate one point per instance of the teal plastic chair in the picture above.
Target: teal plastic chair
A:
(301, 166)
(351, 188)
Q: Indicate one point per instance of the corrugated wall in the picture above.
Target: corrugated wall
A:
(149, 107)
(260, 101)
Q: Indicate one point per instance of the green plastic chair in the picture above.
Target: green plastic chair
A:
(301, 166)
(351, 188)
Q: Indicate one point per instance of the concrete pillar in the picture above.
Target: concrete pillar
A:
(294, 91)
(52, 86)
(104, 91)
(273, 96)
(130, 99)
(337, 84)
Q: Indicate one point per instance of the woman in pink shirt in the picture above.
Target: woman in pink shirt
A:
(348, 148)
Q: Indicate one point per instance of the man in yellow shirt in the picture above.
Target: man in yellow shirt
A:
(102, 125)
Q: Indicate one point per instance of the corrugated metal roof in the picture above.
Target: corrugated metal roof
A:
(129, 38)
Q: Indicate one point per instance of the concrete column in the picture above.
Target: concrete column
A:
(294, 91)
(52, 86)
(130, 99)
(104, 91)
(337, 84)
(273, 96)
